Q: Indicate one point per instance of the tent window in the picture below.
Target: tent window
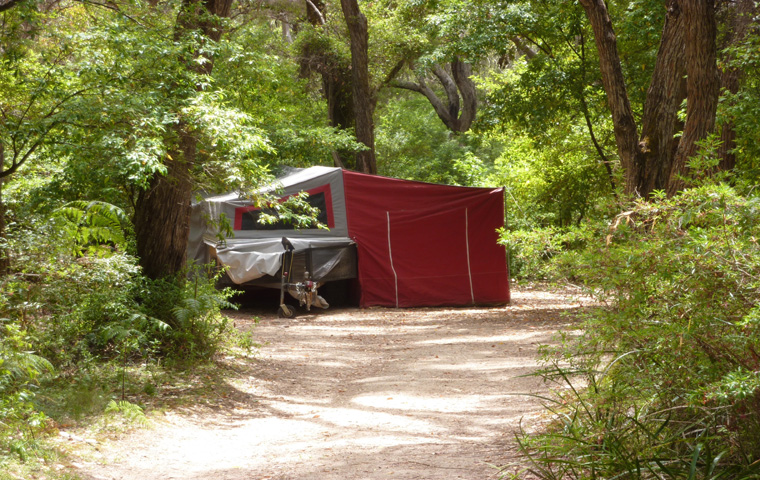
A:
(250, 219)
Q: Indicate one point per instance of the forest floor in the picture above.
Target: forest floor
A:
(352, 394)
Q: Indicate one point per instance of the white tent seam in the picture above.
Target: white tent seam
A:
(390, 255)
(467, 243)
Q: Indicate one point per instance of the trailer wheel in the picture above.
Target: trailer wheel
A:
(286, 311)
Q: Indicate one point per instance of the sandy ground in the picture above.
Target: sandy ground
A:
(358, 394)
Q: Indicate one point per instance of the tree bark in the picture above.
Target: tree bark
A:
(523, 48)
(336, 88)
(162, 212)
(336, 83)
(455, 114)
(653, 158)
(739, 22)
(702, 84)
(315, 12)
(614, 86)
(658, 161)
(364, 101)
(462, 72)
(4, 260)
(162, 216)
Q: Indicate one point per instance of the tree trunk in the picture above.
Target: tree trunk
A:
(614, 86)
(162, 216)
(336, 88)
(739, 21)
(364, 101)
(162, 212)
(658, 160)
(702, 84)
(336, 83)
(457, 116)
(4, 260)
(653, 158)
(462, 72)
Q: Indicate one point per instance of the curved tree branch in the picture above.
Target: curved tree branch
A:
(440, 109)
(315, 11)
(522, 48)
(450, 87)
(462, 73)
(459, 111)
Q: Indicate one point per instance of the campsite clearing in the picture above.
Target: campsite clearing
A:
(356, 394)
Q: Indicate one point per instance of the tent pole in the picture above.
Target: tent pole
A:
(507, 246)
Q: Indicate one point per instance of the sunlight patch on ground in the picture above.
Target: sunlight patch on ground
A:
(332, 364)
(352, 417)
(476, 339)
(354, 330)
(503, 364)
(380, 441)
(442, 404)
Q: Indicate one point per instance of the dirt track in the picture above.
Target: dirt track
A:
(358, 394)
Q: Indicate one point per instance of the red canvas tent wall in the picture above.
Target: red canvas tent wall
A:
(418, 244)
(421, 244)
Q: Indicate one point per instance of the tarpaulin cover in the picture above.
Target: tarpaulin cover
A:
(422, 244)
(250, 259)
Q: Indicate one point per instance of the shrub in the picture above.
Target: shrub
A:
(546, 253)
(19, 371)
(192, 310)
(530, 252)
(671, 365)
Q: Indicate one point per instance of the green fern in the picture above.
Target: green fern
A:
(93, 225)
(129, 411)
(18, 366)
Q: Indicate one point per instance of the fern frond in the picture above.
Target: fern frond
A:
(23, 366)
(131, 412)
(93, 222)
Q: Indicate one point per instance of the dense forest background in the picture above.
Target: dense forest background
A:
(625, 132)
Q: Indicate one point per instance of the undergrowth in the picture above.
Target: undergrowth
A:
(664, 382)
(85, 340)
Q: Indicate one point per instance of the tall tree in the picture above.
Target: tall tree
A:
(739, 21)
(162, 212)
(335, 75)
(363, 95)
(4, 260)
(702, 85)
(688, 41)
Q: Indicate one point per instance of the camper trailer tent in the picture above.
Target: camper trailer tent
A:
(415, 244)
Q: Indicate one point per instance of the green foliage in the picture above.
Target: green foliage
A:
(663, 383)
(93, 226)
(412, 143)
(284, 94)
(294, 210)
(72, 285)
(743, 107)
(192, 310)
(20, 370)
(130, 412)
(557, 197)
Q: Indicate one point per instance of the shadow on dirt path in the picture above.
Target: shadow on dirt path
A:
(358, 394)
